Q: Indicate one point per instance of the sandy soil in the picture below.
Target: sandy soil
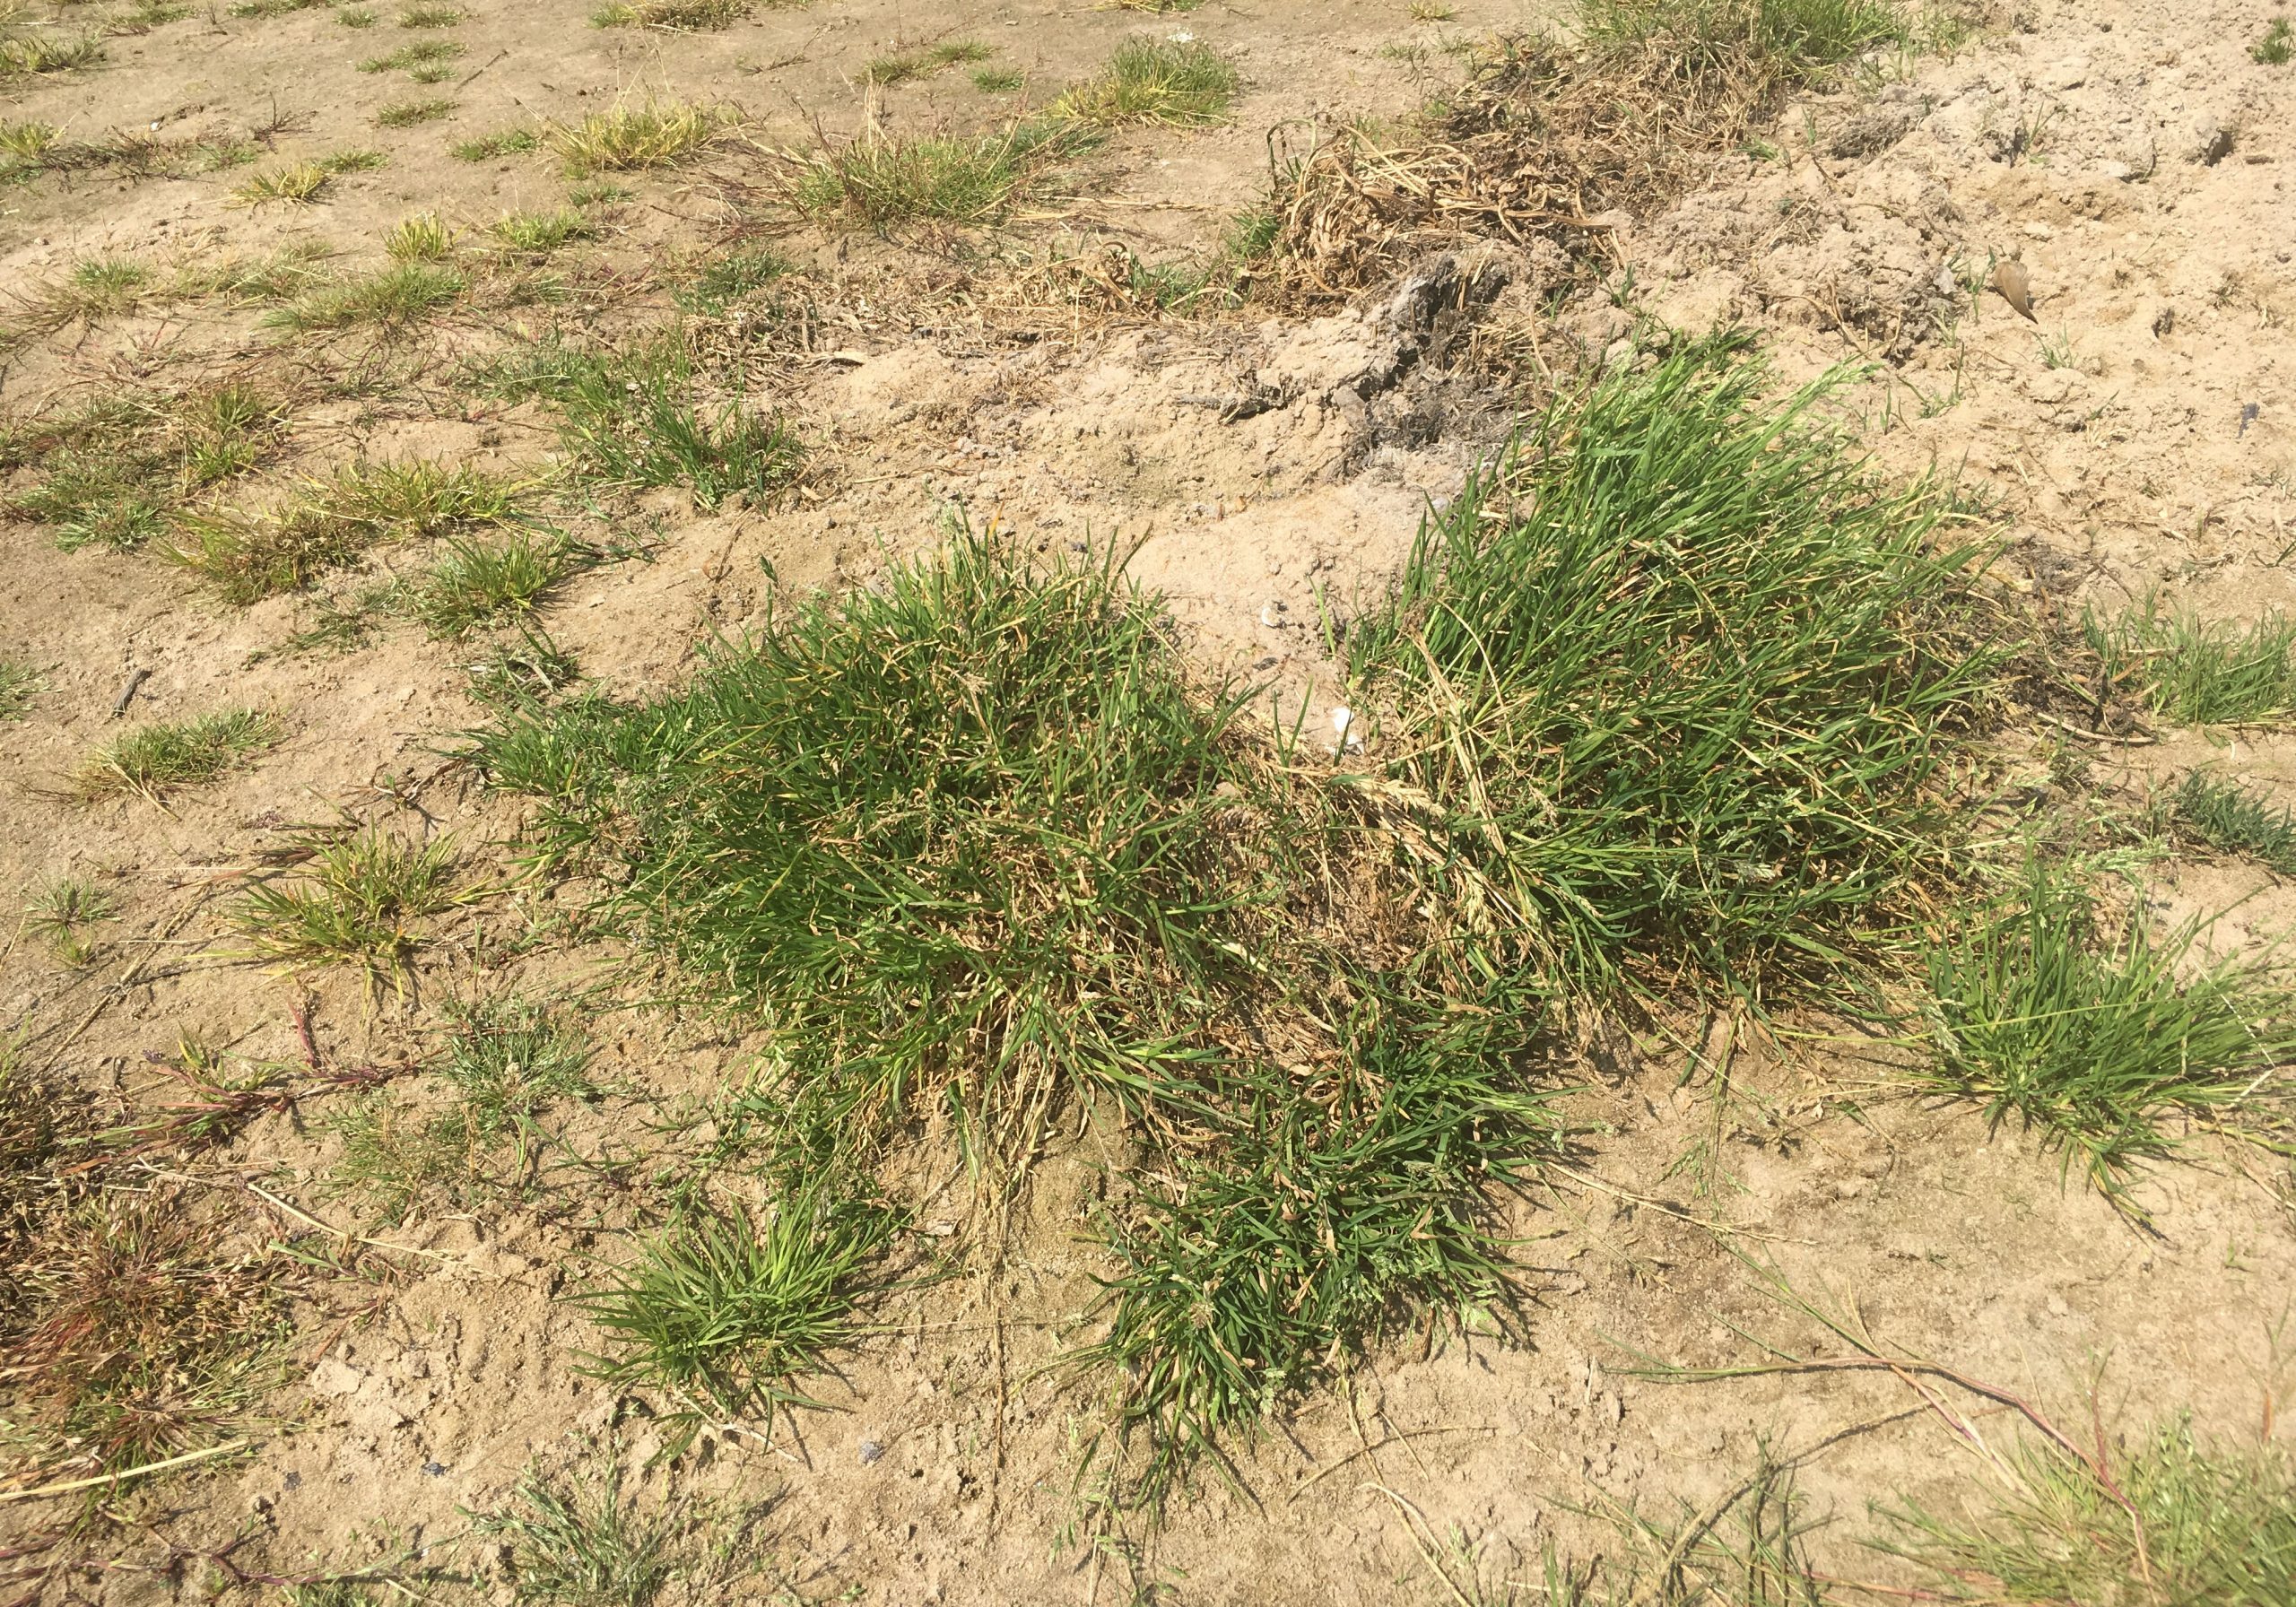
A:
(2134, 432)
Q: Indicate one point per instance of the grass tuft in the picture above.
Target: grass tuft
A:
(577, 1543)
(722, 1314)
(295, 185)
(877, 181)
(1182, 82)
(678, 16)
(30, 55)
(2228, 817)
(2277, 44)
(153, 761)
(111, 471)
(1800, 36)
(886, 71)
(2097, 1041)
(507, 142)
(407, 114)
(247, 555)
(63, 915)
(2199, 672)
(20, 684)
(424, 57)
(362, 900)
(420, 237)
(388, 301)
(480, 584)
(629, 136)
(539, 233)
(999, 81)
(430, 16)
(1684, 676)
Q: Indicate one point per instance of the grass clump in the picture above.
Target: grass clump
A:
(576, 1543)
(729, 279)
(629, 136)
(430, 16)
(478, 584)
(356, 16)
(635, 417)
(362, 900)
(2277, 44)
(153, 761)
(507, 142)
(678, 16)
(1684, 676)
(2099, 1041)
(505, 1065)
(32, 55)
(998, 80)
(2196, 1520)
(2195, 672)
(1182, 82)
(886, 71)
(2228, 817)
(425, 61)
(63, 916)
(877, 181)
(20, 684)
(388, 301)
(721, 1314)
(111, 473)
(420, 237)
(251, 554)
(94, 287)
(296, 184)
(539, 233)
(407, 114)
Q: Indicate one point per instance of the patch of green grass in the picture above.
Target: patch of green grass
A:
(352, 161)
(1683, 676)
(2195, 672)
(1154, 80)
(478, 584)
(720, 1315)
(539, 233)
(295, 185)
(505, 1065)
(998, 80)
(682, 16)
(251, 554)
(405, 113)
(430, 16)
(417, 58)
(147, 14)
(729, 279)
(155, 761)
(2227, 816)
(274, 8)
(507, 141)
(2098, 1040)
(888, 70)
(112, 472)
(389, 300)
(20, 684)
(627, 136)
(2196, 1520)
(523, 671)
(94, 287)
(356, 16)
(30, 55)
(2277, 45)
(634, 418)
(278, 276)
(362, 900)
(64, 914)
(420, 237)
(1797, 37)
(877, 181)
(577, 1543)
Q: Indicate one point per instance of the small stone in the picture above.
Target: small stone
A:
(870, 1451)
(437, 1470)
(2212, 141)
(2164, 322)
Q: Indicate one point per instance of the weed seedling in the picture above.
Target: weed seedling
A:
(422, 237)
(2278, 45)
(630, 136)
(294, 185)
(63, 915)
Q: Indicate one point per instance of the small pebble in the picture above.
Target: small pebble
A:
(870, 1451)
(437, 1470)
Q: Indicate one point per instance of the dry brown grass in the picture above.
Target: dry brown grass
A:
(1540, 142)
